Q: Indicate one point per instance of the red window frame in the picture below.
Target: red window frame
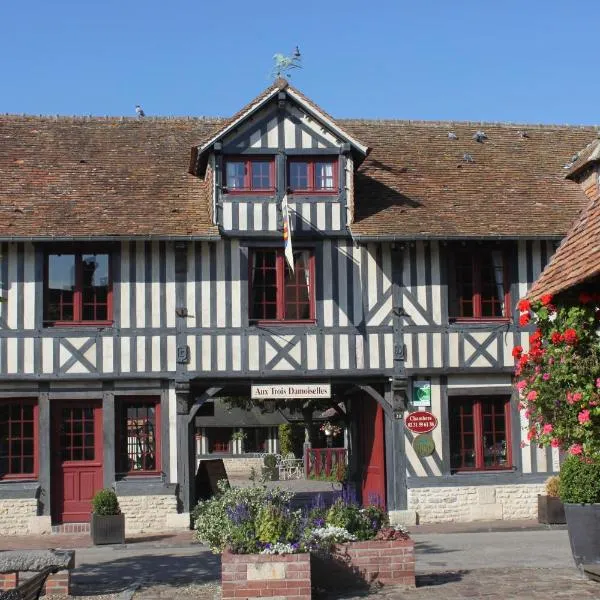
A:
(247, 161)
(311, 161)
(122, 453)
(459, 429)
(475, 256)
(280, 302)
(21, 402)
(77, 320)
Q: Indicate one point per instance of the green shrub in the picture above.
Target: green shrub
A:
(286, 445)
(343, 514)
(371, 520)
(277, 524)
(552, 484)
(270, 472)
(579, 481)
(105, 502)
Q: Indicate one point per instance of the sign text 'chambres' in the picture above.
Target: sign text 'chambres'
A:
(291, 390)
(421, 421)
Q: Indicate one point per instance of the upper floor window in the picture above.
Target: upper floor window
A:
(479, 433)
(277, 293)
(479, 283)
(313, 175)
(78, 289)
(18, 439)
(249, 174)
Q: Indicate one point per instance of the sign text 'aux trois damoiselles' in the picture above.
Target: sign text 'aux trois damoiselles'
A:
(290, 390)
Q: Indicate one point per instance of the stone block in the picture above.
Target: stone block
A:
(485, 512)
(487, 495)
(35, 560)
(178, 520)
(265, 571)
(407, 518)
(40, 525)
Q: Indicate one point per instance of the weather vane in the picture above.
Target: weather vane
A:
(284, 64)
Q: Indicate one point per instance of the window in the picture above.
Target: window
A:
(479, 280)
(18, 439)
(249, 175)
(78, 289)
(277, 293)
(219, 440)
(312, 175)
(138, 432)
(479, 433)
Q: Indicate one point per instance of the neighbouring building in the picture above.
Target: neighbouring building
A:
(140, 284)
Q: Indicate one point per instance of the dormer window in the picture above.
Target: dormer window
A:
(249, 175)
(313, 175)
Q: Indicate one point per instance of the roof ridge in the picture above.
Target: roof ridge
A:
(154, 118)
(470, 123)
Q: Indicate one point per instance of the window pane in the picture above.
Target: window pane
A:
(261, 175)
(462, 442)
(17, 443)
(234, 175)
(297, 292)
(61, 287)
(95, 284)
(264, 285)
(299, 175)
(138, 444)
(323, 176)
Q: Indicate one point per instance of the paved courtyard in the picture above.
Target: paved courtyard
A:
(494, 561)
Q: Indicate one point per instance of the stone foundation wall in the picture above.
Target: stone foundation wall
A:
(475, 503)
(16, 515)
(144, 514)
(241, 467)
(269, 577)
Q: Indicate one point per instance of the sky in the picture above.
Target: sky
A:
(530, 61)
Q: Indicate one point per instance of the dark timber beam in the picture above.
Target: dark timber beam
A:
(200, 400)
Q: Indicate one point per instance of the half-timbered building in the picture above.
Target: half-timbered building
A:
(140, 282)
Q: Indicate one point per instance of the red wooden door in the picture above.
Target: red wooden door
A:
(77, 459)
(372, 451)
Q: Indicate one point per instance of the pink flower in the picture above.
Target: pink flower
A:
(598, 382)
(521, 385)
(532, 396)
(547, 428)
(523, 444)
(546, 376)
(555, 443)
(576, 449)
(584, 416)
(570, 398)
(577, 396)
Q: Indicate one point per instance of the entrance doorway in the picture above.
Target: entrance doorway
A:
(371, 445)
(76, 459)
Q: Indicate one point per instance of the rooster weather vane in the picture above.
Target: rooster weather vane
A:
(284, 64)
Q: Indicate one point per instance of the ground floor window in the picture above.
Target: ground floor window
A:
(219, 440)
(18, 438)
(138, 433)
(479, 433)
(256, 439)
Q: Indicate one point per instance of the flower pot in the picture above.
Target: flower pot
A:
(583, 524)
(550, 510)
(107, 529)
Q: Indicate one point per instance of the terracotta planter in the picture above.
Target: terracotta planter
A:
(107, 529)
(265, 575)
(551, 510)
(583, 524)
(359, 565)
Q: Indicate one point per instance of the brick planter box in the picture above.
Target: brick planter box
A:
(360, 565)
(274, 577)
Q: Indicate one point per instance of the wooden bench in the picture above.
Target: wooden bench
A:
(31, 588)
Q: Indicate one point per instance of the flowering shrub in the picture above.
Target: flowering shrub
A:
(558, 379)
(397, 532)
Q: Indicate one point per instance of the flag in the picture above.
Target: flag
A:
(287, 233)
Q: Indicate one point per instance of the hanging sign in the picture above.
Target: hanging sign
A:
(290, 390)
(421, 395)
(421, 422)
(424, 445)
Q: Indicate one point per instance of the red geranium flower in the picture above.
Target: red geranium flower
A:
(557, 338)
(570, 336)
(517, 351)
(524, 319)
(585, 298)
(546, 299)
(524, 305)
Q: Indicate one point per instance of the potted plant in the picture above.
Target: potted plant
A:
(559, 388)
(551, 510)
(107, 523)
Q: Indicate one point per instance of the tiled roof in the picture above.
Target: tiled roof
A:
(577, 258)
(418, 182)
(81, 177)
(588, 155)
